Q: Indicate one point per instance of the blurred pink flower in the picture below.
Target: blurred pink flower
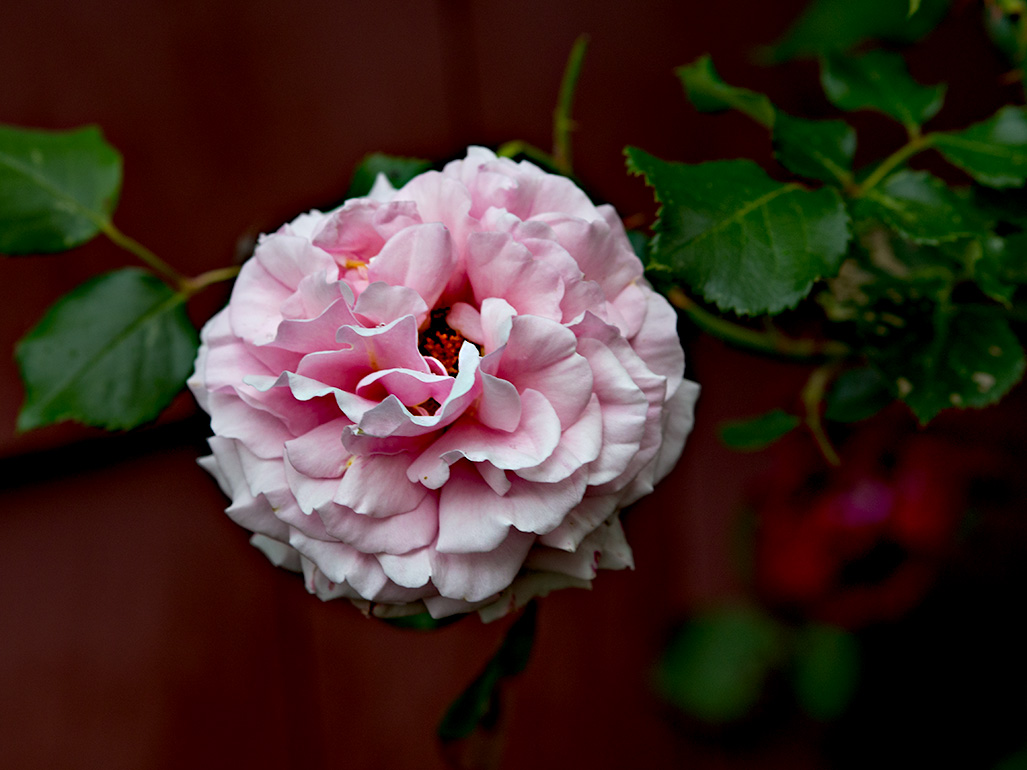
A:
(441, 396)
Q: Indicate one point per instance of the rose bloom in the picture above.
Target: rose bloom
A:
(440, 397)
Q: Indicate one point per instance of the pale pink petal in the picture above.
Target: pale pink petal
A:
(380, 304)
(656, 342)
(499, 405)
(473, 518)
(401, 533)
(289, 258)
(420, 257)
(579, 445)
(377, 485)
(318, 333)
(278, 553)
(532, 442)
(261, 432)
(255, 307)
(526, 586)
(472, 577)
(466, 320)
(542, 355)
(410, 570)
(581, 522)
(392, 418)
(341, 563)
(499, 266)
(604, 255)
(315, 293)
(319, 453)
(411, 388)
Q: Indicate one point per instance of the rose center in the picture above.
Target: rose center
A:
(441, 342)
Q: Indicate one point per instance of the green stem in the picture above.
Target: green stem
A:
(770, 341)
(191, 286)
(563, 125)
(520, 147)
(917, 143)
(148, 258)
(812, 398)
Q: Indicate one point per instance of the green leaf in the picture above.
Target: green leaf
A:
(757, 432)
(56, 188)
(914, 6)
(825, 670)
(994, 152)
(639, 244)
(838, 25)
(112, 352)
(920, 207)
(997, 264)
(818, 149)
(879, 81)
(737, 237)
(858, 394)
(716, 666)
(1007, 205)
(973, 360)
(474, 705)
(397, 170)
(709, 93)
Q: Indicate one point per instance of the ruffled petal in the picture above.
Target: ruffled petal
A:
(377, 485)
(473, 577)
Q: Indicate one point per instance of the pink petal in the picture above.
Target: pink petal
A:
(581, 522)
(290, 258)
(466, 320)
(318, 333)
(261, 432)
(377, 485)
(579, 445)
(319, 453)
(532, 442)
(542, 355)
(381, 304)
(499, 405)
(657, 341)
(473, 518)
(315, 293)
(624, 409)
(392, 418)
(401, 533)
(255, 306)
(411, 388)
(498, 266)
(410, 570)
(473, 577)
(604, 255)
(342, 563)
(420, 257)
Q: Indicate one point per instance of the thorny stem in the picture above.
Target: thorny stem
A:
(563, 125)
(771, 341)
(812, 399)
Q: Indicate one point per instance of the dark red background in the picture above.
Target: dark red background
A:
(138, 629)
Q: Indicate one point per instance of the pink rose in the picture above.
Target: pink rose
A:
(441, 396)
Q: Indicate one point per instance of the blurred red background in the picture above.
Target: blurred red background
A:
(137, 626)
